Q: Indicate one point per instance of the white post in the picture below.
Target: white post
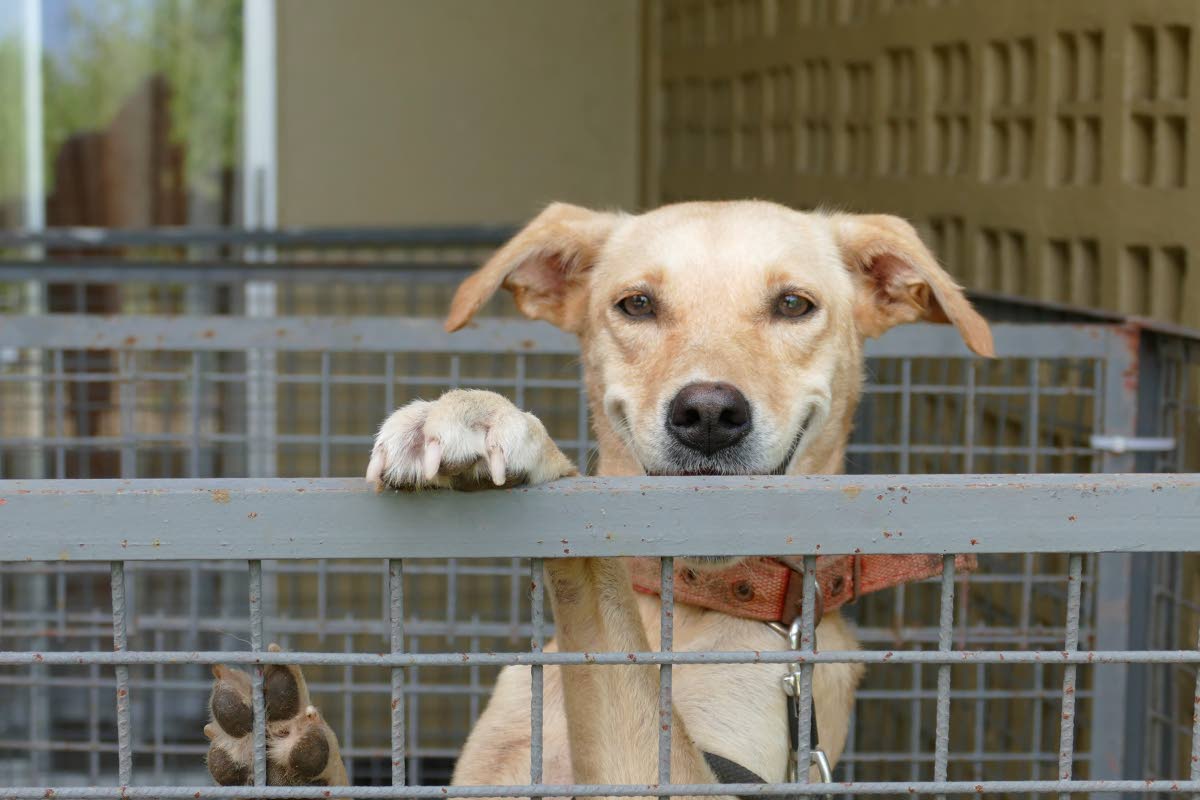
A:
(260, 211)
(35, 209)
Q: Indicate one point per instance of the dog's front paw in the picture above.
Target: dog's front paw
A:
(466, 439)
(301, 749)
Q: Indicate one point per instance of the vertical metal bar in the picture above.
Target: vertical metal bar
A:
(396, 623)
(322, 596)
(60, 422)
(348, 704)
(159, 676)
(969, 420)
(120, 643)
(1118, 723)
(941, 757)
(666, 641)
(127, 399)
(581, 425)
(807, 642)
(1066, 742)
(197, 394)
(519, 380)
(1195, 771)
(389, 384)
(1034, 414)
(516, 579)
(980, 717)
(256, 675)
(905, 414)
(1035, 771)
(325, 413)
(537, 616)
(94, 718)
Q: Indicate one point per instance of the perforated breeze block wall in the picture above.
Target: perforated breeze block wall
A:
(1045, 148)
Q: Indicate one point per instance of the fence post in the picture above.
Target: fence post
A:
(1122, 590)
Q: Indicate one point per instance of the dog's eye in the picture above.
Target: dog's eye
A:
(793, 306)
(637, 305)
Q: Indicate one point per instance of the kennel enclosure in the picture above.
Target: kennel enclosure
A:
(179, 372)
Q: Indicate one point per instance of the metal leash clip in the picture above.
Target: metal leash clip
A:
(791, 687)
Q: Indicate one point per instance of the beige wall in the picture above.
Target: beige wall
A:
(455, 111)
(1048, 149)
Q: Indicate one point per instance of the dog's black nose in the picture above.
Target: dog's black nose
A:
(709, 416)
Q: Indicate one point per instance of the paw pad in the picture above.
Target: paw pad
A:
(301, 748)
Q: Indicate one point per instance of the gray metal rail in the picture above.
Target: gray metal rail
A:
(113, 520)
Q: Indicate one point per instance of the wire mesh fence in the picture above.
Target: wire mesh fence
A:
(1020, 517)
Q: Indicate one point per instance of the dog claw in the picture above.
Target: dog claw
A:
(496, 464)
(375, 473)
(433, 458)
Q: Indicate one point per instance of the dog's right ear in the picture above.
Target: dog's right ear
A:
(544, 266)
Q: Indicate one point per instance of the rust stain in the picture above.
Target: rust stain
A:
(852, 492)
(528, 344)
(130, 341)
(3, 502)
(1072, 518)
(220, 496)
(208, 334)
(974, 542)
(252, 515)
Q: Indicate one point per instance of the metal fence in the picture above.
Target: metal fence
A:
(1021, 515)
(276, 361)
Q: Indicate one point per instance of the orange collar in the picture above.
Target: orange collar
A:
(770, 589)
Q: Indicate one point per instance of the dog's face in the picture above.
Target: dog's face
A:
(722, 338)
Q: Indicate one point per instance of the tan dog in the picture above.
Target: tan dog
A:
(717, 339)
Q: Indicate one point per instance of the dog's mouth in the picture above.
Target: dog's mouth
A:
(733, 465)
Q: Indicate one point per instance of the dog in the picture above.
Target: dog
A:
(721, 338)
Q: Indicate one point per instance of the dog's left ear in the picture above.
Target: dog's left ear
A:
(545, 266)
(900, 281)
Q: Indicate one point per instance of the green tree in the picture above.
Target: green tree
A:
(115, 47)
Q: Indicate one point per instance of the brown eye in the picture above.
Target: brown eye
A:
(793, 306)
(637, 305)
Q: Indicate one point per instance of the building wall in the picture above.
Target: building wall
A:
(402, 112)
(1047, 149)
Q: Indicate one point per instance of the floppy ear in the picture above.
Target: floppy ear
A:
(543, 266)
(900, 281)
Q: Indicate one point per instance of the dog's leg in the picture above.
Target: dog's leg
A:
(612, 711)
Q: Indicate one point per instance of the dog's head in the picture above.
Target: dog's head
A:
(722, 338)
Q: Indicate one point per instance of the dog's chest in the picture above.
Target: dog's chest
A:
(733, 710)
